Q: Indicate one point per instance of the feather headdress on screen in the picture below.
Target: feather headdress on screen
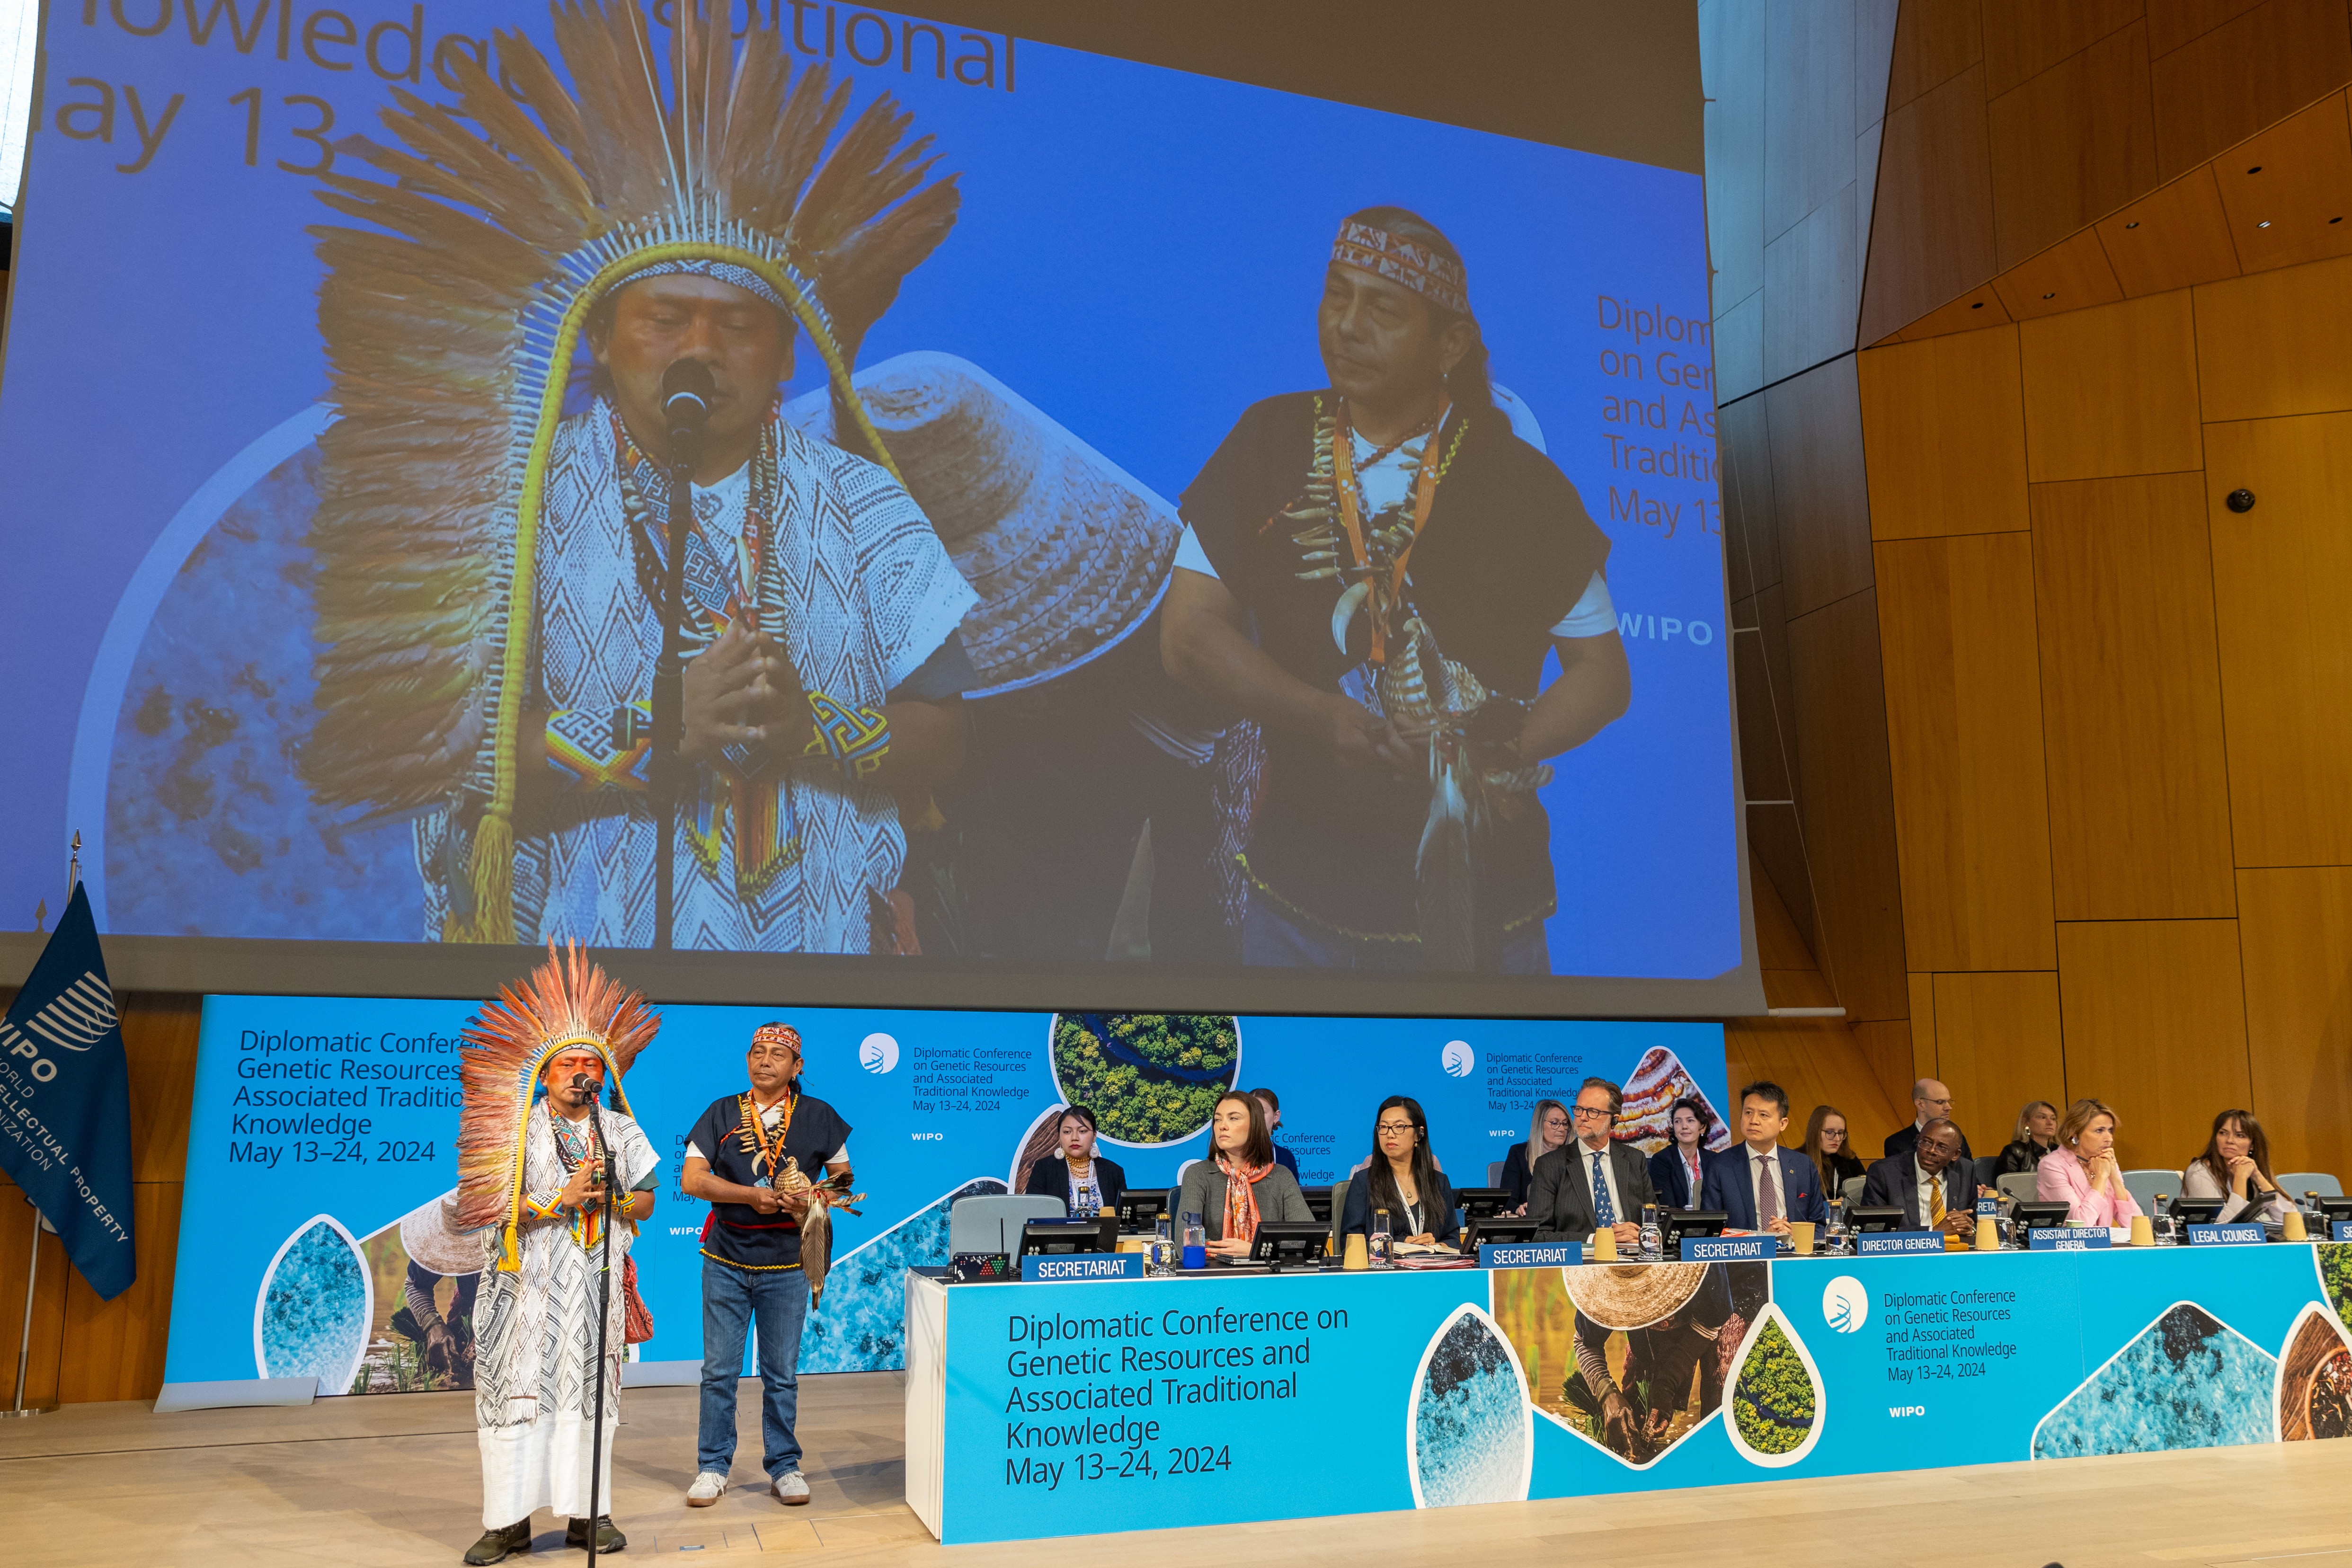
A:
(565, 1004)
(452, 325)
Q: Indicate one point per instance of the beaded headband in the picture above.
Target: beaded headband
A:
(781, 1034)
(1436, 279)
(743, 277)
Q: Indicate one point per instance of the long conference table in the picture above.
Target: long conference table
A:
(1065, 1408)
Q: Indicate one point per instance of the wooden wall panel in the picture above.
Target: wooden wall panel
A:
(2111, 391)
(1946, 424)
(2285, 192)
(1935, 40)
(17, 1223)
(2172, 22)
(2282, 578)
(2276, 342)
(2296, 928)
(1813, 288)
(2025, 37)
(1847, 802)
(159, 1039)
(2175, 236)
(2155, 1026)
(1820, 1061)
(1759, 664)
(2072, 275)
(1931, 235)
(1925, 1046)
(114, 1350)
(2073, 144)
(1822, 497)
(1998, 1045)
(2131, 691)
(1731, 58)
(2254, 69)
(1751, 531)
(1964, 722)
(1979, 308)
(1809, 122)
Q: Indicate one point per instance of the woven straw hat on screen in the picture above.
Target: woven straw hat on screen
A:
(1633, 1295)
(429, 1234)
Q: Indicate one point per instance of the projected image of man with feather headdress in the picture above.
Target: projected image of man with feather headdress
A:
(491, 561)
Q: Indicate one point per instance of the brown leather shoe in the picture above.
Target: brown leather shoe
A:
(496, 1545)
(608, 1535)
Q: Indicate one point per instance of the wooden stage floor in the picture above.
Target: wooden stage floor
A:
(392, 1480)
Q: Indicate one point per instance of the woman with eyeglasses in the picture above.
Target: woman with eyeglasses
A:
(1547, 1131)
(1402, 1179)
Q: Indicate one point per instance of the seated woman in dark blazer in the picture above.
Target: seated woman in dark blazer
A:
(1678, 1171)
(1239, 1185)
(1084, 1181)
(1829, 1145)
(1547, 1130)
(1402, 1179)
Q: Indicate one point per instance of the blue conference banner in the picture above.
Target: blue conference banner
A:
(322, 1143)
(1076, 1408)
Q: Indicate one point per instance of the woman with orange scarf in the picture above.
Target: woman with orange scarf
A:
(1241, 1185)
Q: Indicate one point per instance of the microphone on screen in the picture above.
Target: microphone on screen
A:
(687, 394)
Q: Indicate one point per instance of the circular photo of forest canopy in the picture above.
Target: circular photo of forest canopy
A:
(1150, 1078)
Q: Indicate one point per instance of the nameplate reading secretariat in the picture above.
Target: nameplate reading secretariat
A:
(1529, 1254)
(1729, 1248)
(1883, 1243)
(2340, 1230)
(2068, 1238)
(1038, 1267)
(2233, 1235)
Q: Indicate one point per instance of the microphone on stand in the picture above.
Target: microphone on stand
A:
(686, 395)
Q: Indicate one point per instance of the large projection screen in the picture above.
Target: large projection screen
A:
(1275, 532)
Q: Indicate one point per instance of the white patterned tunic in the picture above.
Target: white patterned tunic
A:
(855, 586)
(535, 1344)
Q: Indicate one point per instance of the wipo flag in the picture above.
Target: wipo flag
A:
(65, 1103)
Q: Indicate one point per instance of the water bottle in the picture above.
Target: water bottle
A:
(1163, 1244)
(1379, 1241)
(2162, 1222)
(1836, 1225)
(1652, 1248)
(1196, 1243)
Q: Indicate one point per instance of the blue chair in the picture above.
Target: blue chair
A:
(2294, 1184)
(2145, 1185)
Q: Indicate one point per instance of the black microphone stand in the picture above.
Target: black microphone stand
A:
(603, 1320)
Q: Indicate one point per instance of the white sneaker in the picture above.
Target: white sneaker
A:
(705, 1489)
(792, 1489)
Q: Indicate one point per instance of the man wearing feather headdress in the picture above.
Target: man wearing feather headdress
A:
(1409, 562)
(532, 1148)
(492, 550)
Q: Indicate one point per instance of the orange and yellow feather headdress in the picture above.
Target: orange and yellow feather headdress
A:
(452, 323)
(564, 1004)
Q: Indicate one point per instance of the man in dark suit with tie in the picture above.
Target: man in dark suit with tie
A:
(1759, 1185)
(1593, 1180)
(1932, 1183)
(1929, 1099)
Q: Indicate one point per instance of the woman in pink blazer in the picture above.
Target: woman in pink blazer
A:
(2081, 1169)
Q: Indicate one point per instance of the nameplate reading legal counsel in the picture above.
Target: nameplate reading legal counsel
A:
(2247, 1235)
(2068, 1238)
(1729, 1248)
(1039, 1267)
(2340, 1230)
(1529, 1254)
(1880, 1243)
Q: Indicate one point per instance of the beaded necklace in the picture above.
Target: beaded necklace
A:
(755, 1133)
(1333, 495)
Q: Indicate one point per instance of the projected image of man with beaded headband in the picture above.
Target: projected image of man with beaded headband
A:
(491, 541)
(1410, 561)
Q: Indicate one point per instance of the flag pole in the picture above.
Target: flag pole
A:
(33, 1252)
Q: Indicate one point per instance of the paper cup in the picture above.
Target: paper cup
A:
(2293, 1230)
(1604, 1245)
(2143, 1230)
(1358, 1255)
(1987, 1233)
(1800, 1237)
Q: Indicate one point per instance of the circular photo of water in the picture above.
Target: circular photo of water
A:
(1151, 1078)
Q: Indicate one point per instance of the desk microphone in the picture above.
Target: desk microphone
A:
(687, 394)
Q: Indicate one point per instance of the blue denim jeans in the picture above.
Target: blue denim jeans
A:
(732, 1300)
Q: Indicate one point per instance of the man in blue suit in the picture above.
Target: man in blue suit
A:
(1760, 1186)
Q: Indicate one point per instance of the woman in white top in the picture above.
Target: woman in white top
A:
(2236, 1166)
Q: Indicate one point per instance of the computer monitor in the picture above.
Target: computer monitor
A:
(1674, 1224)
(2335, 1207)
(2197, 1210)
(2040, 1214)
(1498, 1230)
(1137, 1211)
(1483, 1202)
(1318, 1204)
(1874, 1218)
(1042, 1238)
(1292, 1242)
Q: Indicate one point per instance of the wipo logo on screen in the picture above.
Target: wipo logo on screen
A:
(1846, 1305)
(1458, 1059)
(877, 1053)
